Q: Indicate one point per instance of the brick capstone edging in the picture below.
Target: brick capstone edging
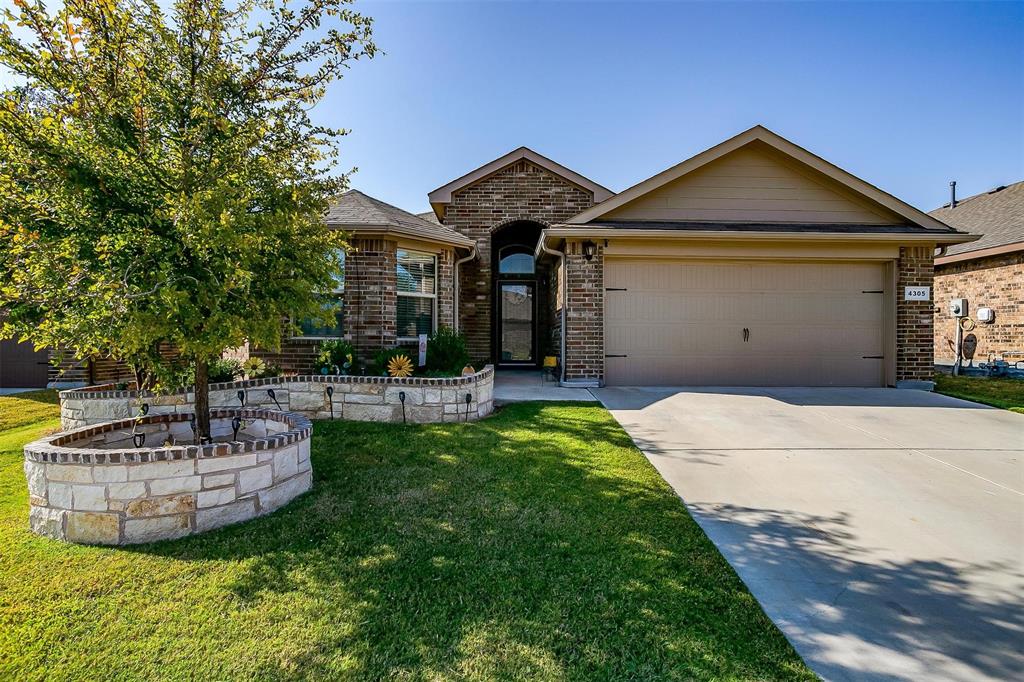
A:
(354, 398)
(91, 485)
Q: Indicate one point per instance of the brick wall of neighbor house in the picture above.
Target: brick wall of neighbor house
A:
(584, 320)
(914, 319)
(996, 282)
(520, 191)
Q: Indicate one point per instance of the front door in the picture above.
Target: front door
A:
(516, 331)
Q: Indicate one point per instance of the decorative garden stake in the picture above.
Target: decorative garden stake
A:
(469, 399)
(236, 424)
(401, 399)
(273, 396)
(400, 366)
(139, 439)
(330, 400)
(241, 397)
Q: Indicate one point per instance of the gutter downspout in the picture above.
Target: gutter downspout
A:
(455, 286)
(563, 281)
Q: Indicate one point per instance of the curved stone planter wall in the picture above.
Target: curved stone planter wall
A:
(354, 398)
(92, 485)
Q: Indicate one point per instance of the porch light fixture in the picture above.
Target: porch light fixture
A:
(589, 249)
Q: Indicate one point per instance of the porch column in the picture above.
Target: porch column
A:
(584, 319)
(370, 295)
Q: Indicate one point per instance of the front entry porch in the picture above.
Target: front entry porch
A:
(517, 386)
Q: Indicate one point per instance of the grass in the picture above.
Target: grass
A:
(1005, 393)
(537, 544)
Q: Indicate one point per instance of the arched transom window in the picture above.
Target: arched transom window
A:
(516, 259)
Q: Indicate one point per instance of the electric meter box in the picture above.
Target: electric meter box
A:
(958, 307)
(986, 315)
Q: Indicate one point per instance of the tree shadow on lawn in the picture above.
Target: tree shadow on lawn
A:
(537, 543)
(859, 615)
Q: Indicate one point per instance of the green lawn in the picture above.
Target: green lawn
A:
(1005, 393)
(538, 544)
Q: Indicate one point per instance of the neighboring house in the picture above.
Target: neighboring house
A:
(753, 263)
(21, 366)
(989, 273)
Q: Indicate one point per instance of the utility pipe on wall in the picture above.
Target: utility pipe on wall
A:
(455, 286)
(563, 277)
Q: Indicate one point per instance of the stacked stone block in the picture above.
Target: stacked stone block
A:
(354, 398)
(93, 486)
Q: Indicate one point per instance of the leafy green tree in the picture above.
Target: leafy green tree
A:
(161, 179)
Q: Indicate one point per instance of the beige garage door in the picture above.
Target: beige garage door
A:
(743, 323)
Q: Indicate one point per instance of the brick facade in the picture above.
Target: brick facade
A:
(370, 306)
(554, 282)
(914, 319)
(584, 322)
(370, 295)
(445, 288)
(995, 282)
(520, 191)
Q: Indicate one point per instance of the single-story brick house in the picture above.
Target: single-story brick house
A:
(989, 273)
(752, 263)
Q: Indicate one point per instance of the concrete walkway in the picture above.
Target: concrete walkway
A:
(517, 386)
(882, 530)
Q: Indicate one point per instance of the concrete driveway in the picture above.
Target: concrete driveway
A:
(882, 530)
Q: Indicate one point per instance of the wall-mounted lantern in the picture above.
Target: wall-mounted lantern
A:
(589, 249)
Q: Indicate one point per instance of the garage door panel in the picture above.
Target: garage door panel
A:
(681, 322)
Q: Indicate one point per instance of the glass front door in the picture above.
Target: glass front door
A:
(516, 317)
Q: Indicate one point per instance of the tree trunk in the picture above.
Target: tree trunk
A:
(202, 401)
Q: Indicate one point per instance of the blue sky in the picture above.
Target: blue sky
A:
(906, 96)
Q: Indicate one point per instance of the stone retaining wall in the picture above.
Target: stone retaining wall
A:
(93, 486)
(354, 398)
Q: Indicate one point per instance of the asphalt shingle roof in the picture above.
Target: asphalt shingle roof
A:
(998, 216)
(356, 211)
(429, 216)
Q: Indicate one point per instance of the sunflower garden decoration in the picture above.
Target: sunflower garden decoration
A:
(400, 366)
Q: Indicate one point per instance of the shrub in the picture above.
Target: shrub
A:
(256, 368)
(446, 352)
(336, 355)
(224, 369)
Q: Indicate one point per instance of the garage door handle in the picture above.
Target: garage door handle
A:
(616, 289)
(746, 334)
(872, 357)
(616, 356)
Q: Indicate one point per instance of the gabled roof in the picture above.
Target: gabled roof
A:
(997, 215)
(429, 216)
(443, 195)
(357, 212)
(760, 134)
